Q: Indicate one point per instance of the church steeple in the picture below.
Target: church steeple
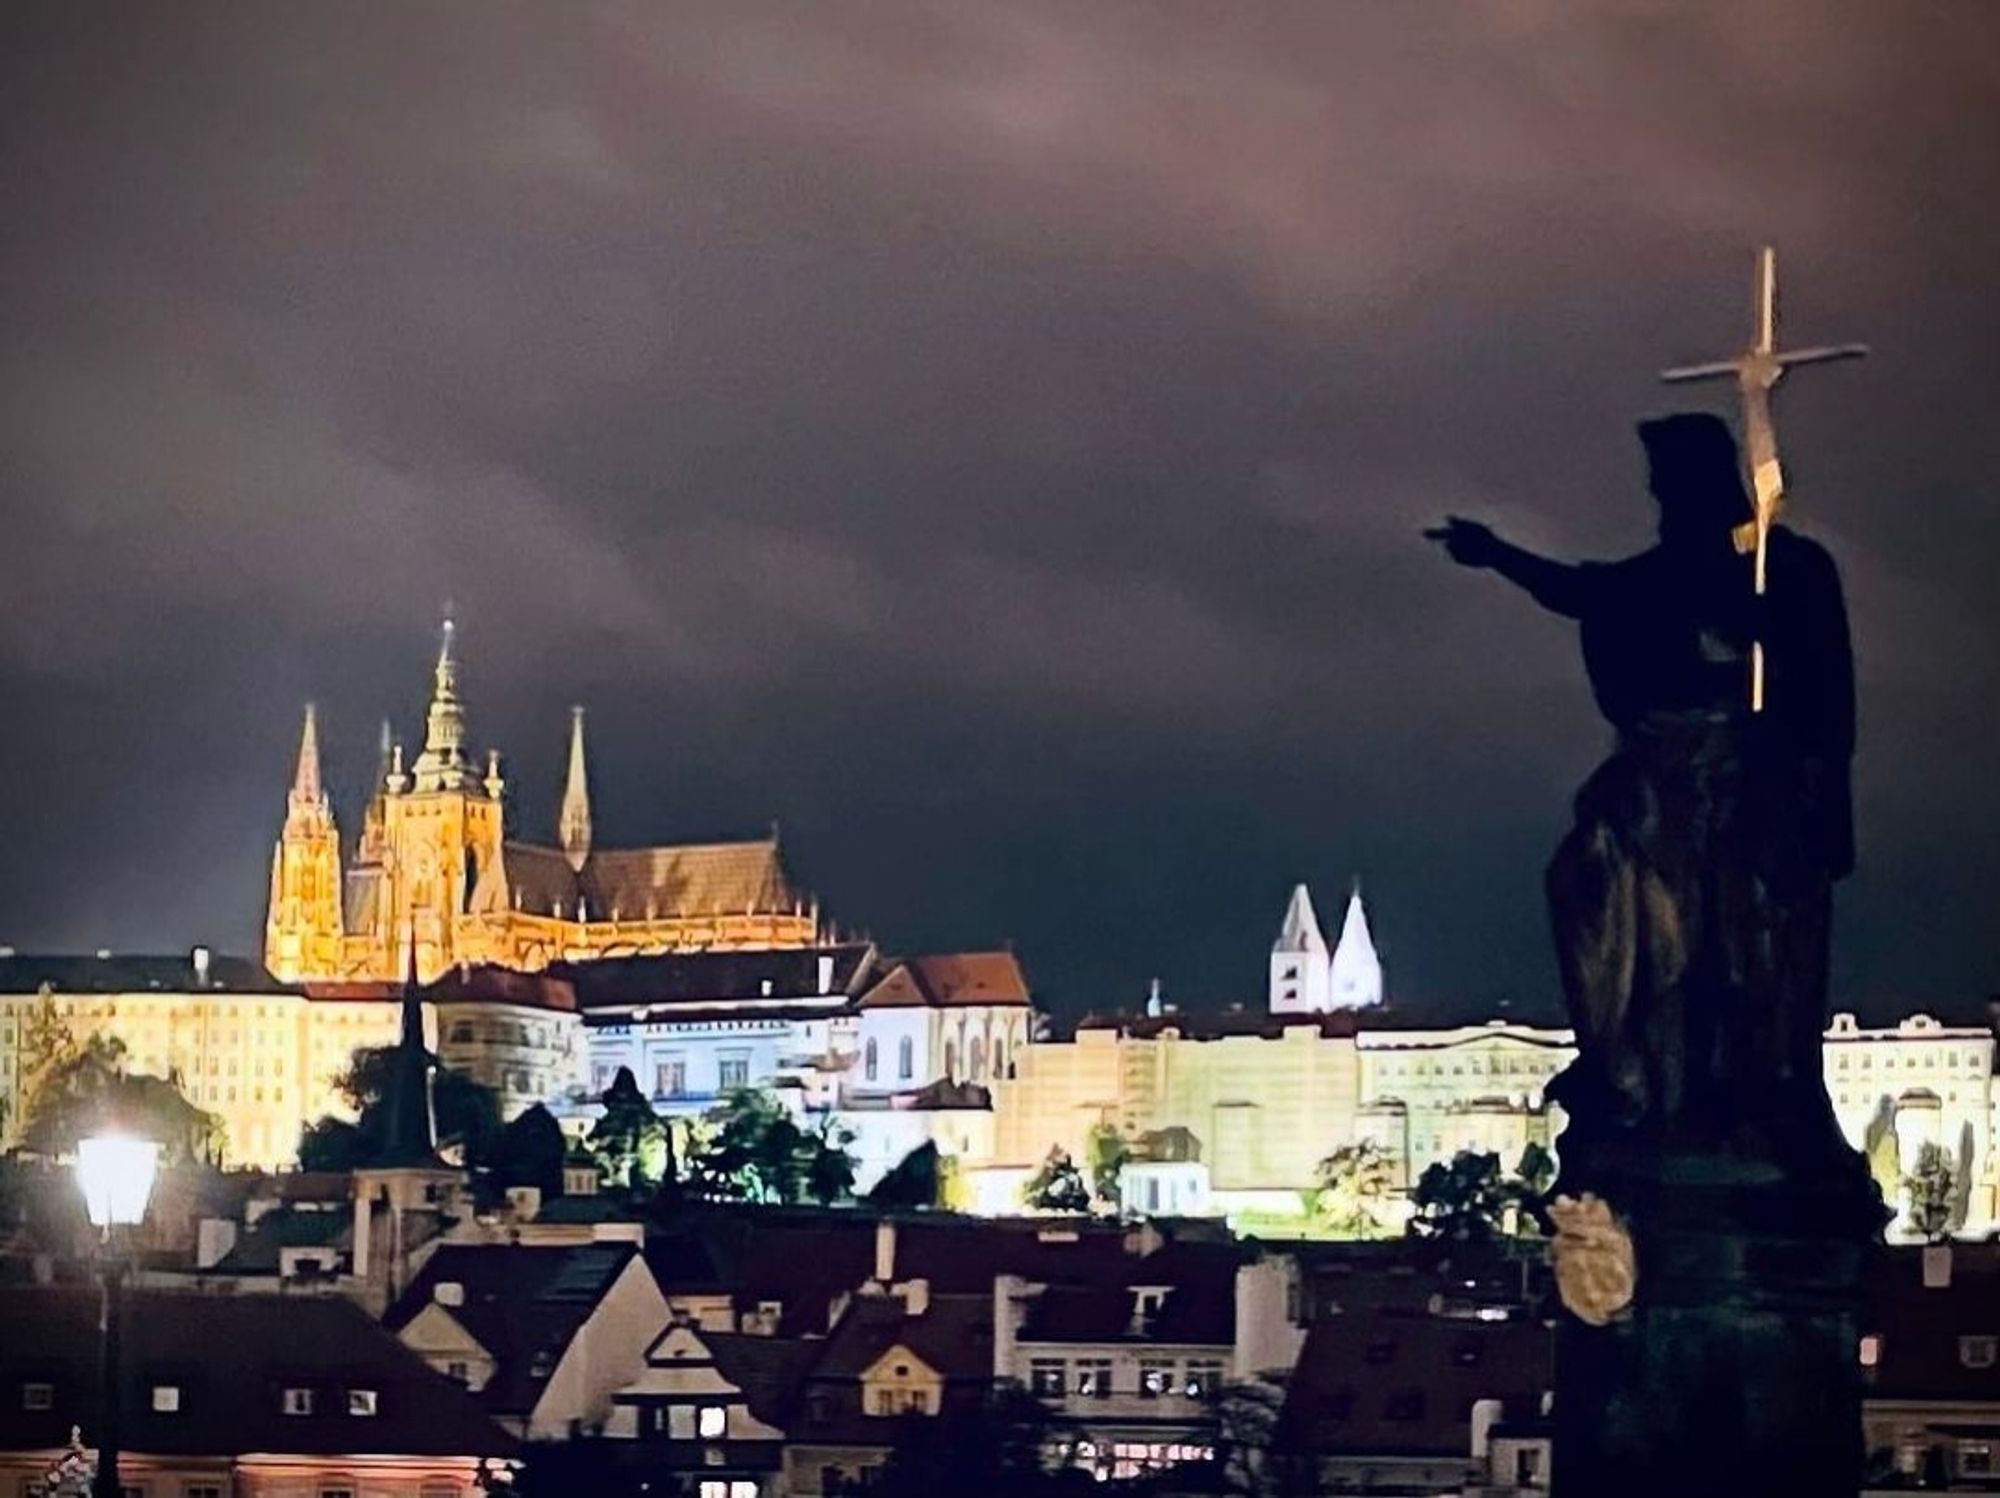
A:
(302, 926)
(1299, 959)
(409, 1133)
(573, 827)
(1356, 970)
(308, 790)
(443, 766)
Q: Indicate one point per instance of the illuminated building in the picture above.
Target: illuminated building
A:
(435, 881)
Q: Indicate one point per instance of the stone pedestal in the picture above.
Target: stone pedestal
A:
(1734, 1373)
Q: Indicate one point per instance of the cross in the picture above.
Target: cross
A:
(1757, 369)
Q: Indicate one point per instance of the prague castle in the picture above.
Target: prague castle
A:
(435, 881)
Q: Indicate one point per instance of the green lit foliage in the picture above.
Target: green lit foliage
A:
(629, 1142)
(1058, 1186)
(1931, 1190)
(1356, 1195)
(1108, 1153)
(754, 1150)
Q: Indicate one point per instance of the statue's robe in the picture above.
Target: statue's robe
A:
(1692, 898)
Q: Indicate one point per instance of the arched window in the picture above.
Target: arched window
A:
(906, 1058)
(999, 1057)
(868, 1062)
(950, 1062)
(977, 1069)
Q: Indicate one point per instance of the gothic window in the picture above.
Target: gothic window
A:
(950, 1061)
(906, 1058)
(999, 1058)
(869, 1061)
(977, 1067)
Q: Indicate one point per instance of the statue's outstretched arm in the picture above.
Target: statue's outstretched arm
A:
(1557, 586)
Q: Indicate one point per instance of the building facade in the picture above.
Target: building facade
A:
(435, 879)
(263, 1056)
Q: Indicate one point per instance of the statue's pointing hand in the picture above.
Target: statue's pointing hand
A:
(1469, 543)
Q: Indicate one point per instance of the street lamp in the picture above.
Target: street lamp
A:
(115, 1173)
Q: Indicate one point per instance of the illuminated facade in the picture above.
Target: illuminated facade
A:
(433, 880)
(262, 1056)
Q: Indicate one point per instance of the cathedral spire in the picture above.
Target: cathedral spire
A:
(307, 787)
(1356, 970)
(442, 765)
(573, 827)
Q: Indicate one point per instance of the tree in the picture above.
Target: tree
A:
(1107, 1153)
(1057, 1186)
(1251, 1457)
(755, 1151)
(531, 1151)
(629, 1141)
(1931, 1192)
(1961, 1192)
(1472, 1201)
(1356, 1192)
(994, 1448)
(464, 1109)
(917, 1180)
(1883, 1152)
(82, 1089)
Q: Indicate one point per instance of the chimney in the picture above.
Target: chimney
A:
(826, 975)
(199, 957)
(915, 1295)
(885, 1251)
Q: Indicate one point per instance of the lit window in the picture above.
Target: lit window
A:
(38, 1396)
(712, 1422)
(711, 1488)
(742, 1488)
(298, 1401)
(1155, 1378)
(1093, 1378)
(166, 1399)
(360, 1401)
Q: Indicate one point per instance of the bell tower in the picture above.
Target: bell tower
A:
(302, 929)
(441, 825)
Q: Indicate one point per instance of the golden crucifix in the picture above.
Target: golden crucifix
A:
(1756, 370)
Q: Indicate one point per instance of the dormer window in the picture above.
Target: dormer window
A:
(1977, 1352)
(297, 1402)
(361, 1402)
(38, 1396)
(166, 1399)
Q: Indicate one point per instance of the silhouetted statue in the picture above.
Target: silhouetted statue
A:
(1691, 900)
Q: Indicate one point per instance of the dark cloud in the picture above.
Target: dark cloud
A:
(991, 437)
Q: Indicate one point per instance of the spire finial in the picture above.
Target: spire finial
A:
(573, 825)
(307, 787)
(442, 766)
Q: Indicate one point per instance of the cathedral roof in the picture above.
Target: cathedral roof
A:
(951, 980)
(689, 880)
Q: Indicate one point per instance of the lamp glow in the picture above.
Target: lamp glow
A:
(115, 1173)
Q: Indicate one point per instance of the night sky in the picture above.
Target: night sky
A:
(990, 437)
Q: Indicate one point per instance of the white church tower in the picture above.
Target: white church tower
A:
(1355, 974)
(1300, 974)
(1307, 978)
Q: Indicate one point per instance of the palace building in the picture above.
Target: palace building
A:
(435, 879)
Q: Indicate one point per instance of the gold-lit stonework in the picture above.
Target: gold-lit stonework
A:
(435, 882)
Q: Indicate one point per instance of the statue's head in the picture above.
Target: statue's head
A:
(1694, 473)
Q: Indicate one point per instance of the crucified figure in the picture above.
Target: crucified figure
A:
(1691, 899)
